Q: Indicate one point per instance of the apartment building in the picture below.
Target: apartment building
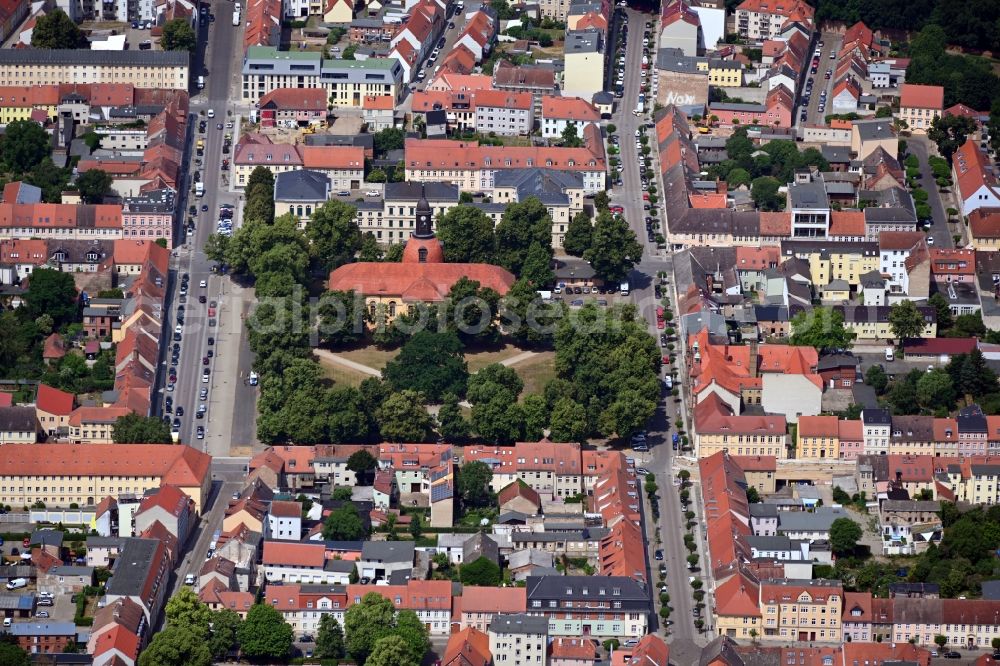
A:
(552, 469)
(161, 70)
(473, 167)
(919, 105)
(504, 113)
(583, 73)
(346, 82)
(141, 574)
(560, 112)
(760, 20)
(802, 610)
(303, 606)
(718, 428)
(479, 605)
(601, 607)
(430, 599)
(519, 640)
(61, 221)
(818, 437)
(62, 474)
(344, 166)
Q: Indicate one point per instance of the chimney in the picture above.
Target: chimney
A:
(753, 359)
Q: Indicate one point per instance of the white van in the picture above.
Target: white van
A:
(201, 82)
(17, 583)
(623, 288)
(889, 353)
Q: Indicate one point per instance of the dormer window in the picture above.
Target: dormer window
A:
(422, 255)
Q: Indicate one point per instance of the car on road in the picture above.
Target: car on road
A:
(211, 113)
(952, 654)
(176, 425)
(211, 341)
(200, 432)
(344, 193)
(658, 555)
(189, 579)
(642, 471)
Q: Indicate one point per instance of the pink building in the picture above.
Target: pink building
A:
(776, 111)
(852, 440)
(149, 216)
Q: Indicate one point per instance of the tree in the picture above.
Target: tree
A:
(403, 418)
(492, 379)
(452, 425)
(905, 320)
(472, 310)
(414, 633)
(579, 235)
(376, 176)
(535, 411)
(216, 246)
(522, 224)
(23, 145)
(329, 638)
(375, 617)
(261, 175)
(265, 634)
(753, 497)
(341, 318)
(526, 318)
(499, 420)
(333, 234)
(11, 654)
(537, 268)
(225, 627)
(94, 185)
(942, 310)
(431, 363)
(137, 429)
(940, 640)
(185, 609)
(416, 528)
(903, 393)
(344, 524)
(601, 201)
(949, 132)
(390, 651)
(969, 326)
(56, 30)
(481, 572)
(738, 178)
(822, 328)
(877, 378)
(178, 35)
(935, 389)
(361, 462)
(391, 138)
(764, 192)
(844, 536)
(568, 422)
(614, 249)
(473, 483)
(176, 646)
(570, 136)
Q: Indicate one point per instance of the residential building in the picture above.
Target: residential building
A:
(162, 70)
(583, 73)
(431, 600)
(680, 28)
(428, 161)
(504, 113)
(757, 20)
(519, 640)
(18, 425)
(919, 105)
(300, 192)
(43, 637)
(560, 112)
(140, 574)
(551, 469)
(292, 107)
(52, 409)
(628, 600)
(284, 520)
(345, 82)
(561, 192)
(468, 647)
(975, 179)
(303, 562)
(802, 610)
(62, 474)
(479, 605)
(169, 506)
(379, 112)
(984, 229)
(718, 428)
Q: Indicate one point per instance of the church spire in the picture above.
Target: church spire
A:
(424, 217)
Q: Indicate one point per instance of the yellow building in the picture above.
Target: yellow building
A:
(830, 260)
(725, 73)
(919, 105)
(716, 429)
(18, 102)
(801, 610)
(817, 438)
(872, 322)
(584, 64)
(984, 229)
(62, 474)
(338, 11)
(165, 70)
(737, 610)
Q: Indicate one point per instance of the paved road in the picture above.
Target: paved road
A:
(231, 404)
(920, 146)
(685, 640)
(831, 44)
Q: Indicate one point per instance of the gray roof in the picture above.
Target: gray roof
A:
(571, 268)
(17, 602)
(583, 41)
(806, 521)
(808, 195)
(72, 571)
(763, 510)
(47, 538)
(301, 185)
(520, 624)
(43, 628)
(549, 185)
(836, 154)
(771, 542)
(9, 57)
(674, 60)
(388, 551)
(629, 591)
(18, 419)
(361, 140)
(876, 417)
(875, 129)
(413, 190)
(991, 590)
(132, 567)
(155, 201)
(529, 556)
(911, 505)
(740, 106)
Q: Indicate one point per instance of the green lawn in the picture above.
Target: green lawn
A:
(536, 371)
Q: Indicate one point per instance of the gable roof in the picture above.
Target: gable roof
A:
(54, 401)
(913, 95)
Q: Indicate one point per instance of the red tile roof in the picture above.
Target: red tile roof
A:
(576, 649)
(985, 223)
(416, 595)
(283, 553)
(973, 170)
(179, 465)
(285, 509)
(54, 401)
(494, 600)
(169, 498)
(847, 223)
(818, 426)
(375, 102)
(913, 95)
(518, 489)
(737, 596)
(295, 99)
(468, 647)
